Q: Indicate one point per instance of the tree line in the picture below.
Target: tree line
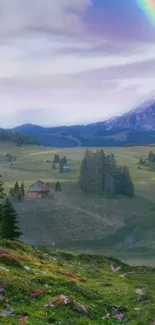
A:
(100, 174)
(148, 163)
(9, 224)
(61, 161)
(16, 137)
(17, 192)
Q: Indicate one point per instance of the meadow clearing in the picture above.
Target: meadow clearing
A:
(79, 221)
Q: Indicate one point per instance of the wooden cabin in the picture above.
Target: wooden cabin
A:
(39, 190)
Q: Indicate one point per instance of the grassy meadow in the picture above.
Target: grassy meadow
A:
(39, 288)
(83, 222)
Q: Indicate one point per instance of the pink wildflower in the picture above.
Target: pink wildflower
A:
(23, 320)
(65, 299)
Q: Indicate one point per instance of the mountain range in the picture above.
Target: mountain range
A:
(137, 127)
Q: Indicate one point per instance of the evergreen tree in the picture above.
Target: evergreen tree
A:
(57, 187)
(100, 174)
(127, 187)
(56, 159)
(9, 222)
(64, 160)
(11, 192)
(61, 166)
(16, 192)
(53, 166)
(2, 195)
(22, 190)
(151, 157)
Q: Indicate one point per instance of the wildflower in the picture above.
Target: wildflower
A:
(36, 293)
(65, 299)
(23, 320)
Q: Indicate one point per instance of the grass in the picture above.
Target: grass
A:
(93, 293)
(71, 216)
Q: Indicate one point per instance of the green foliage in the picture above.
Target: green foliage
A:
(64, 160)
(53, 166)
(151, 157)
(9, 222)
(22, 190)
(103, 298)
(57, 187)
(17, 192)
(16, 137)
(56, 159)
(99, 173)
(61, 166)
(2, 195)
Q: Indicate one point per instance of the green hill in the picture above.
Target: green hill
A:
(16, 137)
(136, 237)
(38, 288)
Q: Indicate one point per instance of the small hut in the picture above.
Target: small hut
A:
(39, 190)
(66, 169)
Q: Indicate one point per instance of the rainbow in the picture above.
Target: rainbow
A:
(148, 6)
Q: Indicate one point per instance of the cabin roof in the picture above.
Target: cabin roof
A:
(39, 186)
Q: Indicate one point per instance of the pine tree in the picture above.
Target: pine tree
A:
(56, 159)
(64, 160)
(2, 195)
(9, 222)
(57, 187)
(61, 166)
(22, 190)
(127, 187)
(53, 166)
(16, 192)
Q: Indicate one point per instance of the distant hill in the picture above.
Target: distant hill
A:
(133, 128)
(16, 137)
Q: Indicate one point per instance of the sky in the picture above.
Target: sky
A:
(68, 62)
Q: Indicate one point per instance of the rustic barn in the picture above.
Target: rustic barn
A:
(39, 190)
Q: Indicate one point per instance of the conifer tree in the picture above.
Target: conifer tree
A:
(57, 187)
(22, 190)
(56, 159)
(53, 166)
(2, 195)
(64, 160)
(127, 187)
(9, 228)
(61, 166)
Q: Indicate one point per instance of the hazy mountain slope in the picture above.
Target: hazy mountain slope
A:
(16, 137)
(135, 127)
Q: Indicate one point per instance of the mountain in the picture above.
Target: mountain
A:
(142, 117)
(16, 137)
(133, 128)
(43, 287)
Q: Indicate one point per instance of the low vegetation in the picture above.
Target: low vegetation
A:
(39, 287)
(147, 163)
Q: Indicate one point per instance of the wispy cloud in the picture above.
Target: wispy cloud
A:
(76, 56)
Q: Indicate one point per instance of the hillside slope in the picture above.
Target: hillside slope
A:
(39, 288)
(16, 137)
(135, 127)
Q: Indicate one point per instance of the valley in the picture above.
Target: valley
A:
(121, 226)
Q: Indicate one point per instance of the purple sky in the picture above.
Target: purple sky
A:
(73, 61)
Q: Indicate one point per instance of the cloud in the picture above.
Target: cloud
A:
(20, 16)
(85, 59)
